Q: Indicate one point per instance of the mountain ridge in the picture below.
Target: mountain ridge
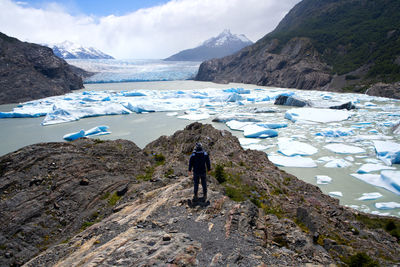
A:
(222, 45)
(358, 41)
(69, 50)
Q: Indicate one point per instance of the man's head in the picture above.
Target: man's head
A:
(198, 147)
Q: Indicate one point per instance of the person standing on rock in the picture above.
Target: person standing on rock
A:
(199, 162)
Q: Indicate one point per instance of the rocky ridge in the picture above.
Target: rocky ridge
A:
(30, 71)
(256, 214)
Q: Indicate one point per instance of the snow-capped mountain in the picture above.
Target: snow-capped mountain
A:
(222, 45)
(69, 50)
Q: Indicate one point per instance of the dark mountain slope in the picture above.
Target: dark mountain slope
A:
(358, 41)
(30, 71)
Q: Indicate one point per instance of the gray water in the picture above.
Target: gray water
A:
(144, 128)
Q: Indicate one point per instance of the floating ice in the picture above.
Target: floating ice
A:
(255, 131)
(335, 194)
(369, 167)
(337, 163)
(344, 149)
(387, 205)
(380, 181)
(195, 116)
(290, 148)
(248, 141)
(388, 152)
(335, 132)
(171, 114)
(237, 125)
(237, 90)
(272, 125)
(370, 196)
(74, 136)
(296, 161)
(98, 130)
(392, 178)
(226, 118)
(257, 147)
(316, 115)
(323, 179)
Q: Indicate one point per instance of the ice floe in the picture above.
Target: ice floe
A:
(369, 167)
(335, 132)
(255, 131)
(290, 148)
(388, 152)
(344, 149)
(296, 161)
(237, 125)
(389, 182)
(370, 196)
(337, 163)
(95, 131)
(323, 179)
(387, 205)
(335, 194)
(316, 115)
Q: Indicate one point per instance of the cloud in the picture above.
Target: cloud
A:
(155, 32)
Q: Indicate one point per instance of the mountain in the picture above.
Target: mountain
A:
(30, 71)
(224, 44)
(69, 50)
(345, 45)
(92, 202)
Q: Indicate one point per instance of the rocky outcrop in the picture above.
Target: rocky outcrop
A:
(347, 105)
(385, 90)
(255, 215)
(298, 65)
(30, 71)
(290, 101)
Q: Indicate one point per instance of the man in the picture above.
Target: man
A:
(200, 163)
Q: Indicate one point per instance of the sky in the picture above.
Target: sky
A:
(138, 29)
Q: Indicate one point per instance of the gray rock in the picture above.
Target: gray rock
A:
(30, 71)
(348, 106)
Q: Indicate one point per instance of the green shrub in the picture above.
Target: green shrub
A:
(220, 174)
(114, 199)
(361, 259)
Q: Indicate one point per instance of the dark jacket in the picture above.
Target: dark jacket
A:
(199, 161)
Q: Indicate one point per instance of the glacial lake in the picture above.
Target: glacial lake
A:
(374, 117)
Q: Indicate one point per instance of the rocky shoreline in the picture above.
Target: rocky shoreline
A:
(93, 202)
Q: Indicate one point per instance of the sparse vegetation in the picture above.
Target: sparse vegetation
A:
(389, 225)
(361, 259)
(113, 199)
(219, 173)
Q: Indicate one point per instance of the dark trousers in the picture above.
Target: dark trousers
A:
(203, 178)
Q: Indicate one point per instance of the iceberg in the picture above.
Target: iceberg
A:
(195, 116)
(74, 136)
(335, 194)
(226, 118)
(337, 163)
(237, 125)
(296, 161)
(388, 152)
(95, 131)
(344, 149)
(370, 196)
(369, 167)
(255, 131)
(237, 90)
(316, 115)
(59, 115)
(273, 125)
(379, 180)
(290, 148)
(392, 178)
(247, 141)
(335, 132)
(323, 179)
(387, 205)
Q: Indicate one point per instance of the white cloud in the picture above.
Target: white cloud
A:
(155, 32)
